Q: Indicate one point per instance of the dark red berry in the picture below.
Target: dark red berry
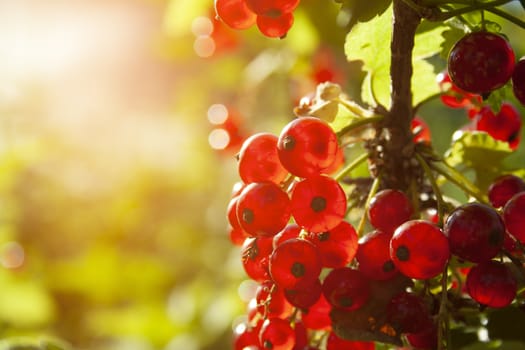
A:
(503, 188)
(277, 334)
(272, 7)
(255, 254)
(475, 232)
(258, 160)
(518, 81)
(338, 246)
(481, 62)
(373, 256)
(263, 209)
(318, 203)
(307, 146)
(492, 284)
(419, 249)
(235, 13)
(407, 313)
(503, 126)
(426, 339)
(295, 262)
(335, 343)
(453, 96)
(305, 295)
(514, 216)
(346, 288)
(388, 209)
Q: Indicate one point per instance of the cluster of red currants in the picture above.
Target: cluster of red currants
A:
(478, 64)
(274, 18)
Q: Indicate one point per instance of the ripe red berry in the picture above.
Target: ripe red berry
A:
(475, 232)
(271, 301)
(518, 81)
(272, 7)
(373, 256)
(338, 246)
(317, 316)
(235, 13)
(388, 209)
(514, 216)
(290, 231)
(503, 188)
(245, 336)
(318, 203)
(481, 62)
(277, 334)
(294, 263)
(333, 342)
(346, 288)
(275, 26)
(426, 339)
(491, 283)
(255, 254)
(419, 249)
(453, 96)
(258, 160)
(304, 296)
(420, 130)
(263, 209)
(307, 146)
(407, 313)
(504, 126)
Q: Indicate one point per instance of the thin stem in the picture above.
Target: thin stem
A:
(347, 169)
(373, 191)
(435, 189)
(359, 123)
(459, 180)
(443, 16)
(444, 323)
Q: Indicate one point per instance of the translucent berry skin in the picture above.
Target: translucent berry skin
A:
(255, 256)
(272, 7)
(318, 203)
(481, 62)
(271, 301)
(338, 246)
(235, 13)
(426, 339)
(419, 249)
(277, 334)
(335, 343)
(317, 316)
(290, 231)
(475, 232)
(514, 216)
(307, 146)
(421, 130)
(263, 209)
(504, 126)
(305, 296)
(503, 188)
(346, 288)
(373, 256)
(258, 160)
(295, 263)
(275, 27)
(388, 209)
(518, 81)
(492, 284)
(407, 313)
(244, 336)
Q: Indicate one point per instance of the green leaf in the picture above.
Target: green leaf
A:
(497, 97)
(424, 82)
(429, 39)
(370, 43)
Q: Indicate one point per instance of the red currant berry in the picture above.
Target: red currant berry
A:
(475, 232)
(453, 96)
(420, 130)
(307, 146)
(277, 334)
(317, 316)
(255, 254)
(481, 62)
(318, 203)
(275, 26)
(263, 209)
(335, 343)
(492, 284)
(258, 160)
(338, 246)
(518, 81)
(301, 336)
(305, 296)
(503, 188)
(237, 236)
(272, 7)
(232, 213)
(373, 256)
(346, 288)
(290, 231)
(388, 209)
(504, 126)
(245, 336)
(235, 13)
(426, 339)
(294, 263)
(271, 301)
(514, 216)
(407, 313)
(419, 249)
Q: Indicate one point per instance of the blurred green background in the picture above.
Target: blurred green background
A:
(115, 173)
